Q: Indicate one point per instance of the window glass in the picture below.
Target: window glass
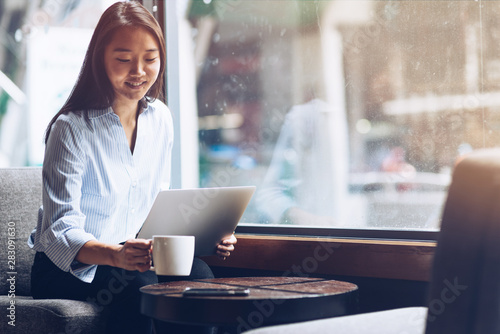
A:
(344, 114)
(43, 43)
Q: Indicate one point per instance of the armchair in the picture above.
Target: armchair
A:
(20, 199)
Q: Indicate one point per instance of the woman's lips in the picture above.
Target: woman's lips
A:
(136, 85)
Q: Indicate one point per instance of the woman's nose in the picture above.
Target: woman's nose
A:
(137, 68)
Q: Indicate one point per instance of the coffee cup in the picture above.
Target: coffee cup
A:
(173, 255)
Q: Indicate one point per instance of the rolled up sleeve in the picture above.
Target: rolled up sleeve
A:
(61, 233)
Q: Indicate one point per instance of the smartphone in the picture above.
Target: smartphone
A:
(216, 292)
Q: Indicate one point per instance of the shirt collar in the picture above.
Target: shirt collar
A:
(95, 113)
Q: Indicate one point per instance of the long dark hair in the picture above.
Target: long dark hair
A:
(93, 89)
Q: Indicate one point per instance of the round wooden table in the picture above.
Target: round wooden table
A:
(272, 300)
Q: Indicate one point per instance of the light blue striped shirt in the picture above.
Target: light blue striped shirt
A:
(94, 188)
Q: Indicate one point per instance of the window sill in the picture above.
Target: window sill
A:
(295, 255)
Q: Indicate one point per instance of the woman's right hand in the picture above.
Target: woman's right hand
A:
(135, 254)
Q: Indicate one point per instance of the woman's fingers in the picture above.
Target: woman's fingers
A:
(226, 246)
(137, 254)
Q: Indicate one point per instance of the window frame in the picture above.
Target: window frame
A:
(379, 234)
(318, 256)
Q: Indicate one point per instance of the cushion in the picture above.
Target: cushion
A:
(50, 316)
(20, 198)
(409, 320)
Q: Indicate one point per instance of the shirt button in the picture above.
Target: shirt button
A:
(132, 211)
(134, 184)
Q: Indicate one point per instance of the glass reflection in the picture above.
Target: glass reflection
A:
(353, 113)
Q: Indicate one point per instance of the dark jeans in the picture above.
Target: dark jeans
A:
(113, 290)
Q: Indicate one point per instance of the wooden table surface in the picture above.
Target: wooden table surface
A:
(272, 300)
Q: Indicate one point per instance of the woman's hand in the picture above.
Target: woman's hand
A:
(135, 254)
(226, 246)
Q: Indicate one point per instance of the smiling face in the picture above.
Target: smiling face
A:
(132, 62)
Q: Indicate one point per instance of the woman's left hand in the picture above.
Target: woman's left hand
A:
(226, 246)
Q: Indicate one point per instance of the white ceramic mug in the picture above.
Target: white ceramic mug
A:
(173, 254)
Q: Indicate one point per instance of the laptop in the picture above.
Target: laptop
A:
(210, 214)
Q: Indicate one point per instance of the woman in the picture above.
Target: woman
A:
(108, 151)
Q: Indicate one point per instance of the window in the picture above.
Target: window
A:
(43, 44)
(347, 115)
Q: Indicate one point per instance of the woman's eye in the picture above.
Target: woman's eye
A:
(151, 60)
(122, 60)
